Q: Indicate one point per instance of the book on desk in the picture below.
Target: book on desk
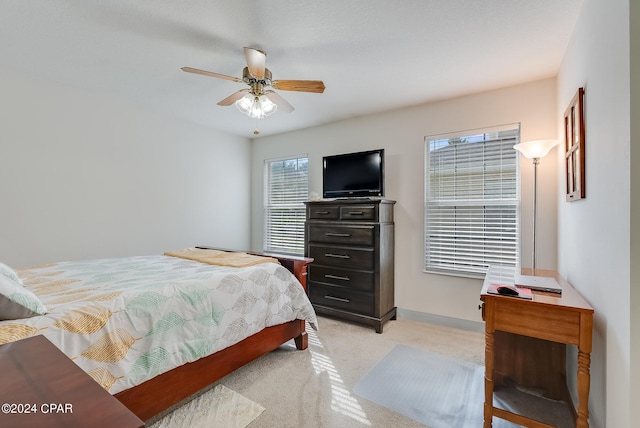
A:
(510, 290)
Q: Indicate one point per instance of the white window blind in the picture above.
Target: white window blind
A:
(286, 190)
(472, 201)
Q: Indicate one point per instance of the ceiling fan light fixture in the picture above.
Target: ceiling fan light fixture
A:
(256, 106)
(244, 104)
(266, 105)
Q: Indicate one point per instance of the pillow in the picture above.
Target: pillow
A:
(17, 302)
(9, 273)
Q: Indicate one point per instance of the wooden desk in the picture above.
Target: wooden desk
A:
(526, 344)
(41, 387)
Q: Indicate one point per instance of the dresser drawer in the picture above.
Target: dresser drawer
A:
(350, 258)
(333, 234)
(341, 298)
(358, 212)
(361, 280)
(323, 212)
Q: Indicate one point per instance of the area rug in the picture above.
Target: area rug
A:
(438, 391)
(218, 407)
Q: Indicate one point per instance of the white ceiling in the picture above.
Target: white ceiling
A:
(373, 55)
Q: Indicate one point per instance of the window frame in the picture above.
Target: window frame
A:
(293, 203)
(507, 198)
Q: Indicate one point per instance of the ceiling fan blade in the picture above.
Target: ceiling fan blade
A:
(256, 62)
(233, 97)
(279, 101)
(211, 74)
(299, 85)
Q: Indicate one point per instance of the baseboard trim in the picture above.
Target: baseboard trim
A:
(441, 320)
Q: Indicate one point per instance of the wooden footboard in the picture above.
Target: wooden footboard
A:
(168, 389)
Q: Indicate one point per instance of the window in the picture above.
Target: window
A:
(472, 201)
(286, 190)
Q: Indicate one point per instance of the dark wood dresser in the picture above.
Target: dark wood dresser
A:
(352, 244)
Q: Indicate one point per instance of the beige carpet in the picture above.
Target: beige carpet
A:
(218, 407)
(314, 388)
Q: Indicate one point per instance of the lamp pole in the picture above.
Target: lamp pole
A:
(536, 161)
(535, 150)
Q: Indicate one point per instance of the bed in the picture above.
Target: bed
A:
(154, 330)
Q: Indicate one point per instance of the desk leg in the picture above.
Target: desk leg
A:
(488, 379)
(584, 378)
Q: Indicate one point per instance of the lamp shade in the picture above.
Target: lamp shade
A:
(536, 149)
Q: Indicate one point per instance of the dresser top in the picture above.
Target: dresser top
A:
(334, 201)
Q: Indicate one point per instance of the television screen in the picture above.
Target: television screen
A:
(353, 175)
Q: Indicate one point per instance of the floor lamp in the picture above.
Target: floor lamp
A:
(535, 150)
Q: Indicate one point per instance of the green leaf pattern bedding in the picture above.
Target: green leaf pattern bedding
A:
(126, 320)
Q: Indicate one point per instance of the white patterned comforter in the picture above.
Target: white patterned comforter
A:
(126, 320)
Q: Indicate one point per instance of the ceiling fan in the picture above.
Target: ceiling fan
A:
(257, 101)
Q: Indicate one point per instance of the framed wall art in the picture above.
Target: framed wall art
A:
(574, 147)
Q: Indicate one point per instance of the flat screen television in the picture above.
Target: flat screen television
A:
(353, 175)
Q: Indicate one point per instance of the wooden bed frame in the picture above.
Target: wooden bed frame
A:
(168, 389)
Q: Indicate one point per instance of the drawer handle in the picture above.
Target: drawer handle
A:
(339, 235)
(344, 278)
(322, 212)
(339, 299)
(355, 213)
(337, 256)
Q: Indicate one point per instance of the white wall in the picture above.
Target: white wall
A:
(401, 133)
(87, 176)
(593, 237)
(634, 26)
